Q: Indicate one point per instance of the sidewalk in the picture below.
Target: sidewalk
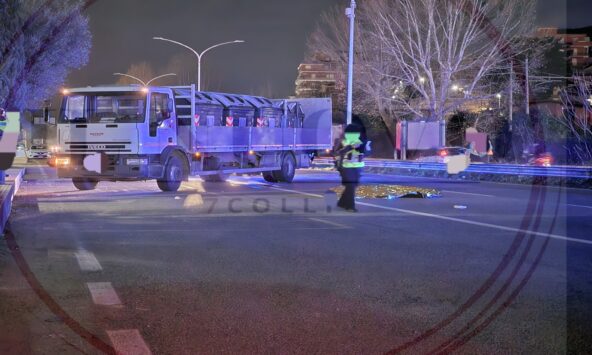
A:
(14, 178)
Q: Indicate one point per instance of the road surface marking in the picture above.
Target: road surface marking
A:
(581, 206)
(467, 193)
(87, 261)
(194, 200)
(335, 224)
(103, 294)
(452, 219)
(128, 342)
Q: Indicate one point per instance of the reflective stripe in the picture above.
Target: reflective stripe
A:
(347, 164)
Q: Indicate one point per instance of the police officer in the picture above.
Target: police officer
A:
(350, 164)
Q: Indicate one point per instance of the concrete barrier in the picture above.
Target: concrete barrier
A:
(14, 179)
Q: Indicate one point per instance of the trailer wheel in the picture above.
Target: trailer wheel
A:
(215, 178)
(174, 174)
(269, 176)
(83, 184)
(288, 169)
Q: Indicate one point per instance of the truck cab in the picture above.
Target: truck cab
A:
(114, 133)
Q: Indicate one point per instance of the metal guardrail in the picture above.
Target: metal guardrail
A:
(480, 168)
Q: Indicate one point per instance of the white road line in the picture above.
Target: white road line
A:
(335, 224)
(128, 342)
(457, 220)
(87, 261)
(580, 206)
(467, 193)
(103, 294)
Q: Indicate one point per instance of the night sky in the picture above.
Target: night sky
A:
(275, 32)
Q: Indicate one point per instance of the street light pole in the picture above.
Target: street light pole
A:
(351, 13)
(197, 54)
(132, 77)
(142, 81)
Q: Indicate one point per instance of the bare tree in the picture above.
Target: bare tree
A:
(427, 57)
(577, 117)
(373, 90)
(41, 42)
(448, 51)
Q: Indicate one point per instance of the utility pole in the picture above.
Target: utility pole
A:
(527, 89)
(511, 97)
(351, 13)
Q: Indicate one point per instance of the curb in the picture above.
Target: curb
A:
(8, 196)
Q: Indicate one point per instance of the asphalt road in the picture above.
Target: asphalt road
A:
(250, 267)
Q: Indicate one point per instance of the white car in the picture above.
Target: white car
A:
(37, 152)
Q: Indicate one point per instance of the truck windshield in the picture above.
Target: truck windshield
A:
(124, 107)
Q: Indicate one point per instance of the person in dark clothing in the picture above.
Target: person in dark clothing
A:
(350, 164)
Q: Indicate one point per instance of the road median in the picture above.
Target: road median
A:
(14, 178)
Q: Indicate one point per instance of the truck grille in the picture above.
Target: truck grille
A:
(119, 147)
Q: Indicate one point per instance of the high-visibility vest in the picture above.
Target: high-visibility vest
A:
(353, 158)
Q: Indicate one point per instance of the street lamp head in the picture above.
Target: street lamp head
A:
(239, 41)
(499, 96)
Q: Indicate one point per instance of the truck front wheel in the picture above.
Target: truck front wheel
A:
(174, 175)
(83, 184)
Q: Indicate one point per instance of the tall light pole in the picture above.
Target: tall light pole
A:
(351, 13)
(142, 81)
(197, 54)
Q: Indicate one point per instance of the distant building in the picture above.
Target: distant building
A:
(316, 80)
(577, 46)
(320, 78)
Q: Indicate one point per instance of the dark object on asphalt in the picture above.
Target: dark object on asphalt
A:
(390, 192)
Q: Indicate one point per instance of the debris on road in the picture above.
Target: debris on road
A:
(391, 192)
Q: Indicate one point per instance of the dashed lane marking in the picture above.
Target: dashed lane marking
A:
(467, 193)
(580, 206)
(87, 261)
(334, 224)
(128, 342)
(103, 294)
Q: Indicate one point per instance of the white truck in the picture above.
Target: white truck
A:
(132, 133)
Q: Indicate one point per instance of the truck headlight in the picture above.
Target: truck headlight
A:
(62, 161)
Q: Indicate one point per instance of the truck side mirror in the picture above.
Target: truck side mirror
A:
(171, 107)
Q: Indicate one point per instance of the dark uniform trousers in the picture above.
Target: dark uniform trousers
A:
(350, 178)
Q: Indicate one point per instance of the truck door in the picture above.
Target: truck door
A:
(161, 128)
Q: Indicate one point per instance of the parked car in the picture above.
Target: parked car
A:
(440, 155)
(38, 152)
(20, 150)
